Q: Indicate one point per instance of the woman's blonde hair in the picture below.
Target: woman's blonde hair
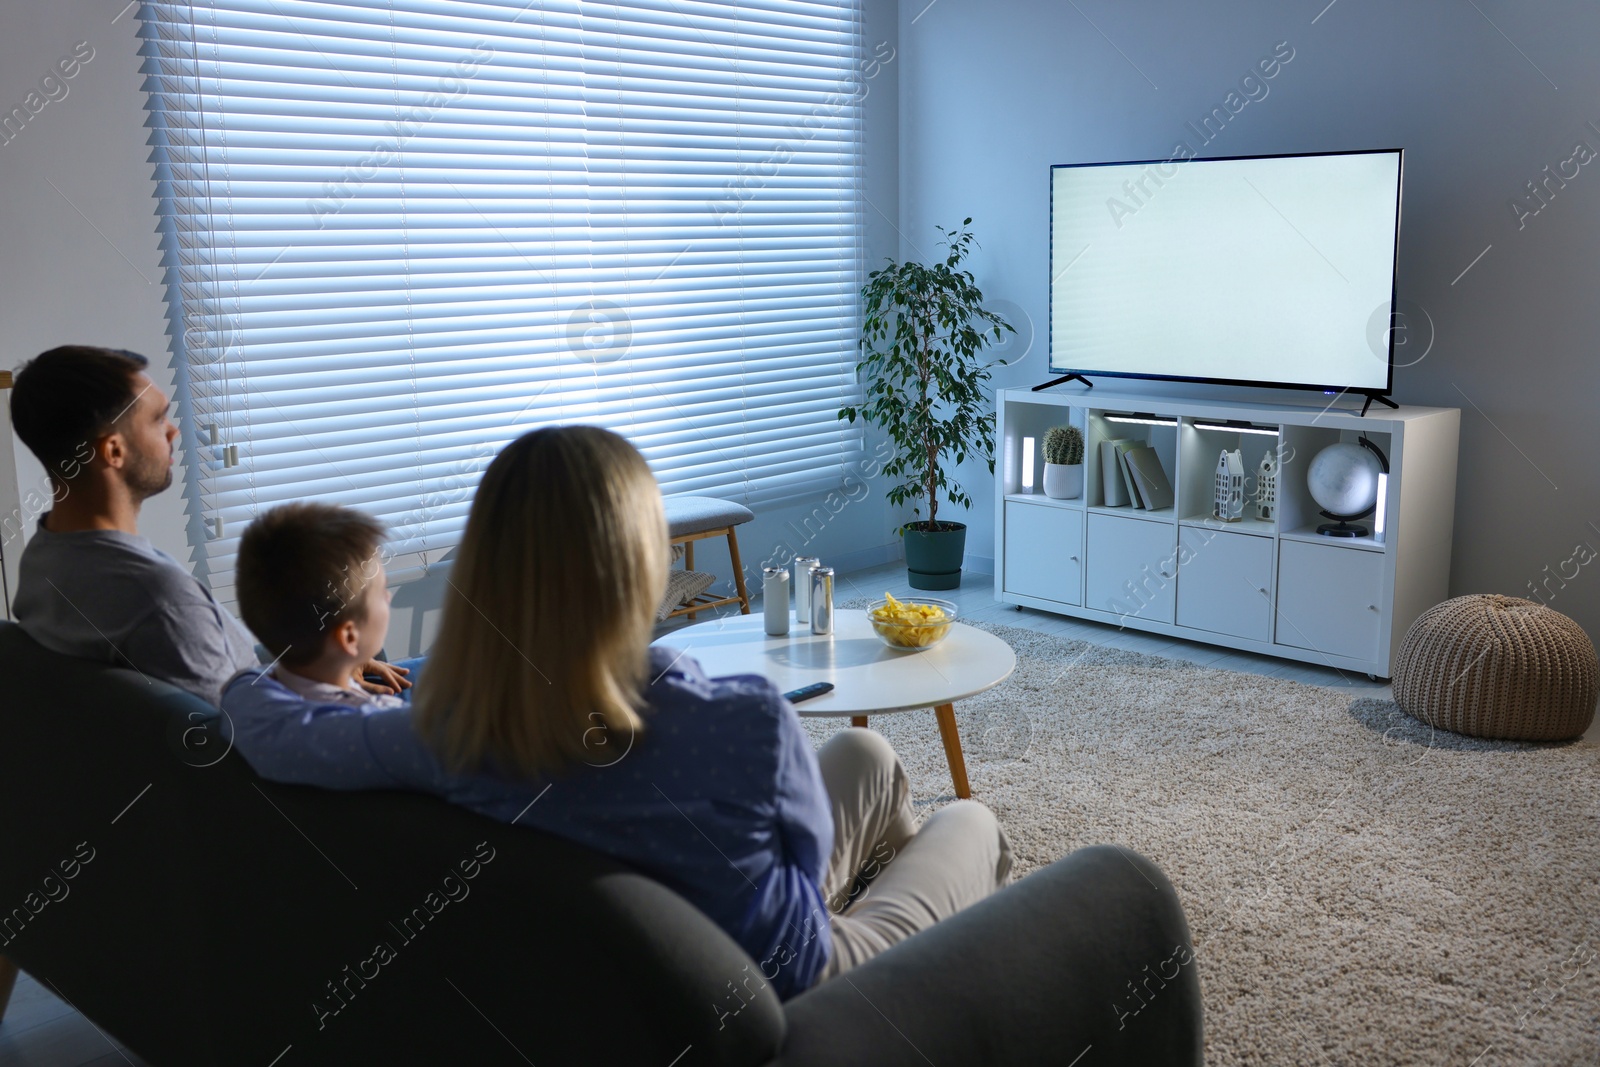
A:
(542, 653)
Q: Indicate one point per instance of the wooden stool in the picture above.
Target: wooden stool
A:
(695, 518)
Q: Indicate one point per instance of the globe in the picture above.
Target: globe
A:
(1343, 480)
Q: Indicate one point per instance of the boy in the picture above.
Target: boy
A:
(311, 586)
(312, 589)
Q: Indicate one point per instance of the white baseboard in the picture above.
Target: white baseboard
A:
(977, 564)
(862, 558)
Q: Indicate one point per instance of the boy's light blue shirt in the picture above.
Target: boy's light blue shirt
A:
(719, 798)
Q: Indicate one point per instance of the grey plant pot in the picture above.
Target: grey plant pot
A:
(933, 560)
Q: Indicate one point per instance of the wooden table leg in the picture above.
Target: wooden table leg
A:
(946, 714)
(738, 571)
(858, 720)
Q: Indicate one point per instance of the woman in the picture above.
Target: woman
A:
(544, 704)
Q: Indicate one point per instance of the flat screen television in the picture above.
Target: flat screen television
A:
(1252, 270)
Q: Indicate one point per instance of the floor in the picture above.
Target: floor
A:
(40, 1030)
(976, 601)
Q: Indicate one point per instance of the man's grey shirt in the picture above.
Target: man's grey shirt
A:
(114, 597)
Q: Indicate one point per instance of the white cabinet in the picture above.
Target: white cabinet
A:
(1269, 583)
(1135, 567)
(1330, 599)
(1044, 551)
(1225, 582)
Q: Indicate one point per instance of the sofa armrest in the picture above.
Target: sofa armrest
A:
(1091, 951)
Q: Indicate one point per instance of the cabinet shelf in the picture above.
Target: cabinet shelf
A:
(1073, 504)
(1273, 586)
(1246, 525)
(1309, 535)
(1127, 511)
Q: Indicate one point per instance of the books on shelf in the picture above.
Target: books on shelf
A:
(1127, 477)
(1155, 490)
(1131, 475)
(1114, 479)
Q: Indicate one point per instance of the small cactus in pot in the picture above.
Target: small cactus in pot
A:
(1063, 445)
(1063, 462)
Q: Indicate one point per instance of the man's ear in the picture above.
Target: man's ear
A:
(112, 450)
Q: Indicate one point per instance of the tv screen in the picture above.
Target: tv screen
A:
(1258, 270)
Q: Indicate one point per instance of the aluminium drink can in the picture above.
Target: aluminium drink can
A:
(775, 599)
(802, 586)
(822, 600)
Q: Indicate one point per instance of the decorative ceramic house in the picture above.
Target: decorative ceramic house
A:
(1230, 486)
(1267, 488)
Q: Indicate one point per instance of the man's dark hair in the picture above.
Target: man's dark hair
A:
(63, 399)
(302, 570)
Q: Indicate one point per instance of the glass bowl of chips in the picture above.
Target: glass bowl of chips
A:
(911, 625)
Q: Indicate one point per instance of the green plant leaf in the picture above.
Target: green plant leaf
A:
(923, 332)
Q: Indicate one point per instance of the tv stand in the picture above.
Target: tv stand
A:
(1272, 585)
(1380, 398)
(1064, 378)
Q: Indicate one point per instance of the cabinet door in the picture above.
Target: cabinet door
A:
(1224, 582)
(1133, 567)
(1330, 599)
(1044, 552)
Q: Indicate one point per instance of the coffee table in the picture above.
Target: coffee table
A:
(868, 677)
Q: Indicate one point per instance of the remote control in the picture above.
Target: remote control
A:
(809, 691)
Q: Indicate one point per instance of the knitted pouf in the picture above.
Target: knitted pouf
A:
(1498, 667)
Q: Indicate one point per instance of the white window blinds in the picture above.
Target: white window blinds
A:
(396, 237)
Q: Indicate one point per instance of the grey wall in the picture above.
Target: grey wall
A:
(993, 93)
(979, 100)
(80, 264)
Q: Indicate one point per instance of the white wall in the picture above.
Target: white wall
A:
(81, 263)
(993, 93)
(77, 224)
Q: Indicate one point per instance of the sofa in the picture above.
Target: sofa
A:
(202, 915)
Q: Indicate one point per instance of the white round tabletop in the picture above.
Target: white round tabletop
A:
(868, 677)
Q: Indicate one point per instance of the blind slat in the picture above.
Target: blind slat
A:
(395, 238)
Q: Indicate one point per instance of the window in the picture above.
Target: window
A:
(397, 237)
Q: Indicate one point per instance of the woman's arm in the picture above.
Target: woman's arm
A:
(805, 815)
(337, 746)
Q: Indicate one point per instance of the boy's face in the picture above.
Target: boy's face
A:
(375, 627)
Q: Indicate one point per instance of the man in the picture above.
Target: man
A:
(88, 584)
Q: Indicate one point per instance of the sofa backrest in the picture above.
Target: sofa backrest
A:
(203, 915)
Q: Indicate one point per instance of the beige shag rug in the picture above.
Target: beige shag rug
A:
(1361, 889)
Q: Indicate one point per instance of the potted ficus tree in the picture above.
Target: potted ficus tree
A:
(1063, 462)
(923, 332)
